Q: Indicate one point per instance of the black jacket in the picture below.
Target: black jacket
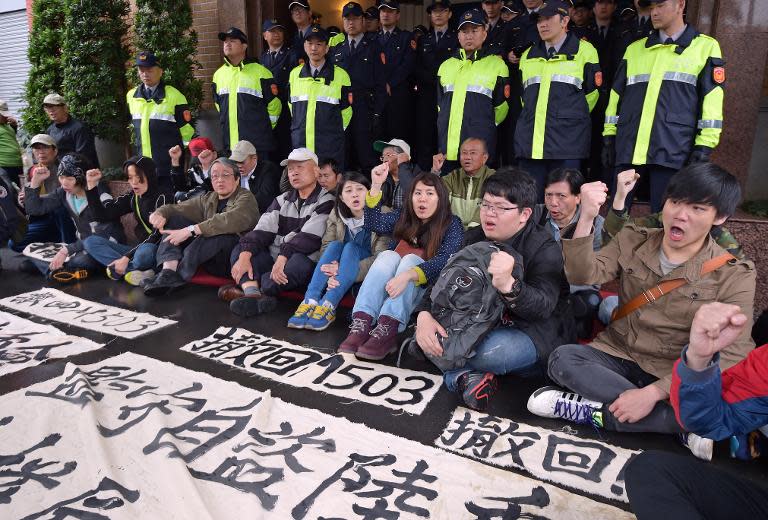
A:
(74, 136)
(264, 183)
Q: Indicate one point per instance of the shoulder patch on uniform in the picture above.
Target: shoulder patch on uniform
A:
(383, 58)
(718, 75)
(187, 116)
(350, 98)
(507, 91)
(274, 89)
(599, 78)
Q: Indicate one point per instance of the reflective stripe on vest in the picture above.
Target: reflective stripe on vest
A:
(163, 117)
(448, 88)
(611, 120)
(329, 100)
(535, 80)
(479, 89)
(571, 80)
(250, 92)
(296, 99)
(710, 123)
(681, 77)
(640, 78)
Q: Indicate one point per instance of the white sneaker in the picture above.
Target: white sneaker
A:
(136, 277)
(700, 447)
(555, 403)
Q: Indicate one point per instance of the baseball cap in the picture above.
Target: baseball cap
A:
(302, 3)
(45, 139)
(146, 59)
(241, 151)
(317, 32)
(233, 32)
(380, 145)
(473, 16)
(198, 144)
(4, 109)
(551, 8)
(54, 99)
(268, 25)
(301, 155)
(439, 3)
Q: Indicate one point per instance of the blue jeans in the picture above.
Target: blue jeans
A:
(80, 260)
(348, 254)
(374, 300)
(606, 308)
(105, 252)
(504, 350)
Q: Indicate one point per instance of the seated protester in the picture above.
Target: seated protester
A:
(11, 217)
(533, 292)
(464, 183)
(197, 179)
(425, 234)
(201, 231)
(618, 216)
(329, 175)
(346, 255)
(621, 381)
(713, 405)
(51, 227)
(136, 263)
(261, 177)
(71, 262)
(281, 252)
(396, 153)
(561, 209)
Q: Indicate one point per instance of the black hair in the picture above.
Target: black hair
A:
(331, 163)
(705, 183)
(229, 163)
(74, 165)
(572, 176)
(478, 139)
(342, 209)
(145, 169)
(515, 185)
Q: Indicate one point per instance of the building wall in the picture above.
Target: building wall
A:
(205, 16)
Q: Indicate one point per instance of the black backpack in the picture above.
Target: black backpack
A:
(465, 302)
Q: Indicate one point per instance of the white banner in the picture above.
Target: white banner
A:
(303, 367)
(135, 438)
(24, 343)
(588, 465)
(44, 251)
(59, 306)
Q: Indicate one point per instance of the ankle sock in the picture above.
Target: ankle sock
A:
(251, 291)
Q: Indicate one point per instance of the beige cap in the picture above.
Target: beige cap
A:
(43, 139)
(301, 155)
(54, 99)
(4, 109)
(380, 145)
(241, 151)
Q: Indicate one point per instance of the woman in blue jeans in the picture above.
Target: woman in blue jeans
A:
(347, 253)
(132, 263)
(425, 234)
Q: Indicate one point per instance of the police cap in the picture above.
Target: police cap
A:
(351, 9)
(551, 8)
(268, 25)
(146, 59)
(233, 32)
(445, 4)
(473, 16)
(318, 33)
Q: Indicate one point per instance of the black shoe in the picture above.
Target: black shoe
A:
(28, 266)
(476, 389)
(163, 283)
(252, 305)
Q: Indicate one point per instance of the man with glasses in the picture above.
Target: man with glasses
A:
(397, 154)
(531, 286)
(202, 231)
(464, 183)
(261, 177)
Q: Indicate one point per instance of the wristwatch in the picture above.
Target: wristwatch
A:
(191, 230)
(514, 291)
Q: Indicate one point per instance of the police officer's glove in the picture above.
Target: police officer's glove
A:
(608, 155)
(376, 126)
(700, 154)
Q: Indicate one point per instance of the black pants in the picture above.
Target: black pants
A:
(398, 114)
(282, 135)
(601, 377)
(360, 153)
(664, 485)
(298, 270)
(425, 140)
(210, 252)
(540, 169)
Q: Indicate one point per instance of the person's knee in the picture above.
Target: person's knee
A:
(386, 260)
(93, 240)
(563, 361)
(410, 260)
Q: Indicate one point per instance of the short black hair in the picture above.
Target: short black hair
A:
(572, 176)
(331, 163)
(342, 209)
(705, 183)
(515, 185)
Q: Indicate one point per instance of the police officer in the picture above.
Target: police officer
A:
(473, 91)
(320, 99)
(359, 54)
(246, 96)
(161, 117)
(301, 14)
(280, 60)
(560, 75)
(666, 104)
(510, 10)
(399, 50)
(497, 28)
(439, 44)
(372, 20)
(581, 21)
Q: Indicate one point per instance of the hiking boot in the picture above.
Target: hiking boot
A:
(700, 447)
(136, 277)
(555, 403)
(300, 317)
(65, 275)
(163, 283)
(383, 340)
(359, 332)
(230, 292)
(321, 318)
(476, 389)
(253, 304)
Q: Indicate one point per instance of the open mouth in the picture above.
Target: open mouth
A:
(676, 233)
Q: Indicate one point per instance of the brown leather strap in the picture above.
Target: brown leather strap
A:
(665, 287)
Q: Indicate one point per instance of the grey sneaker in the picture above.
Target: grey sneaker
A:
(136, 277)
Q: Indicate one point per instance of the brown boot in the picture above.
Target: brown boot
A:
(383, 340)
(230, 292)
(358, 333)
